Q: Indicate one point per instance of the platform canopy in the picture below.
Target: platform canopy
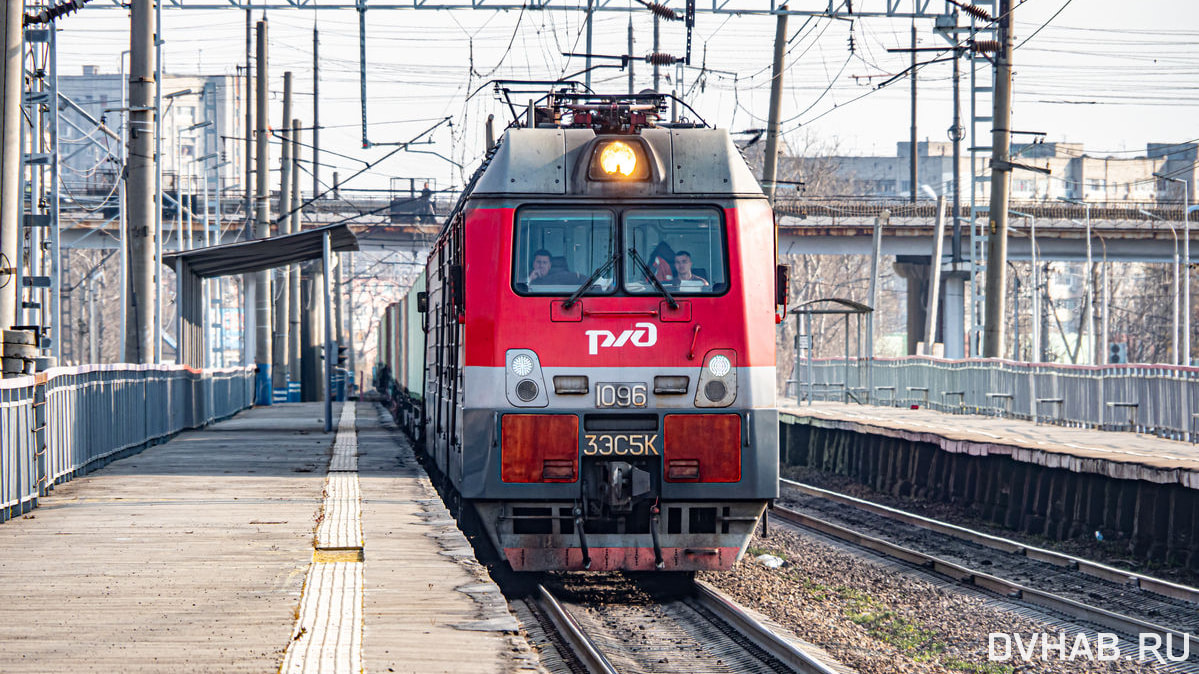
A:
(244, 257)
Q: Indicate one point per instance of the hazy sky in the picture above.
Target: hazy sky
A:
(1109, 73)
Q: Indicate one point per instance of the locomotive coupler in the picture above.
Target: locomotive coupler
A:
(622, 484)
(578, 513)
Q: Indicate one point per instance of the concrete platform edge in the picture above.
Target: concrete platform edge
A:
(1127, 469)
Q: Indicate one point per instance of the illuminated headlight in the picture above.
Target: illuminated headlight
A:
(719, 366)
(618, 158)
(522, 365)
(621, 160)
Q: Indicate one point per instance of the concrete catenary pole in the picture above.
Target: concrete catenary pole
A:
(293, 276)
(338, 293)
(770, 162)
(249, 148)
(248, 180)
(11, 84)
(316, 114)
(280, 368)
(1001, 170)
(262, 226)
(657, 73)
(630, 53)
(140, 162)
(912, 155)
(330, 344)
(351, 345)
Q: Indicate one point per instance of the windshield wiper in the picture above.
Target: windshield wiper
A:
(595, 275)
(649, 274)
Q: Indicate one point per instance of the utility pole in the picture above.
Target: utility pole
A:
(293, 277)
(350, 344)
(282, 298)
(249, 104)
(338, 292)
(247, 280)
(1001, 168)
(587, 72)
(262, 226)
(630, 53)
(956, 133)
(656, 73)
(330, 344)
(12, 82)
(142, 329)
(912, 151)
(316, 116)
(770, 161)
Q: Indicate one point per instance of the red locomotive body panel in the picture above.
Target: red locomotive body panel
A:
(498, 319)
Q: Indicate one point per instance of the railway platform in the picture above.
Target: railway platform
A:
(1117, 454)
(1137, 491)
(241, 547)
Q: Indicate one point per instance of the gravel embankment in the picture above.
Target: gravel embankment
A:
(879, 619)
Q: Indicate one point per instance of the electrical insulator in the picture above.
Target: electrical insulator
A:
(49, 14)
(976, 12)
(985, 46)
(659, 59)
(662, 11)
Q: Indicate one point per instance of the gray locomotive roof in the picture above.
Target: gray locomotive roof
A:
(688, 162)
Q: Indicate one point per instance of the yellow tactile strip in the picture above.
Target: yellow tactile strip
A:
(341, 526)
(328, 631)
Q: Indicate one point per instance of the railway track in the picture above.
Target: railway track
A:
(1123, 602)
(625, 625)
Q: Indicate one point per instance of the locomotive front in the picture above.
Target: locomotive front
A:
(617, 393)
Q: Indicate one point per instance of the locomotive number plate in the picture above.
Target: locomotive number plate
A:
(621, 444)
(620, 395)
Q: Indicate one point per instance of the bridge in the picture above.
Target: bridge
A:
(1121, 231)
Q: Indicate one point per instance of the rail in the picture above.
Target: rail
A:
(68, 421)
(1155, 399)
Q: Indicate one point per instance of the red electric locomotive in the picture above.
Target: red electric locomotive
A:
(600, 353)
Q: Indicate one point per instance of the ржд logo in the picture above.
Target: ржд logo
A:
(641, 334)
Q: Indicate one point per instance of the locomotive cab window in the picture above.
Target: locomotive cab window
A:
(682, 248)
(557, 250)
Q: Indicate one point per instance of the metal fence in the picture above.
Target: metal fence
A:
(70, 420)
(1145, 398)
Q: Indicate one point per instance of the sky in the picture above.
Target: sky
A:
(1111, 74)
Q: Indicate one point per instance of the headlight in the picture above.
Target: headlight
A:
(522, 365)
(719, 366)
(618, 157)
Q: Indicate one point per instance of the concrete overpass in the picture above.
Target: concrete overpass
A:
(1121, 232)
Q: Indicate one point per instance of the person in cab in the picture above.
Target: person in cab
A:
(682, 267)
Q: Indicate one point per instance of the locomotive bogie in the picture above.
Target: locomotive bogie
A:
(692, 536)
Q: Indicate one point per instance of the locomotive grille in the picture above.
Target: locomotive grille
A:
(715, 390)
(526, 390)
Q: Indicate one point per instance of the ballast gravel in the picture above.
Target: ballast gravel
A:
(878, 618)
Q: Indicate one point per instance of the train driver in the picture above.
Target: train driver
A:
(541, 265)
(682, 265)
(548, 271)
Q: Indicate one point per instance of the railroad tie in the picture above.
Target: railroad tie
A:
(328, 631)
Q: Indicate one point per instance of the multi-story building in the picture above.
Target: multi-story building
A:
(1072, 173)
(90, 161)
